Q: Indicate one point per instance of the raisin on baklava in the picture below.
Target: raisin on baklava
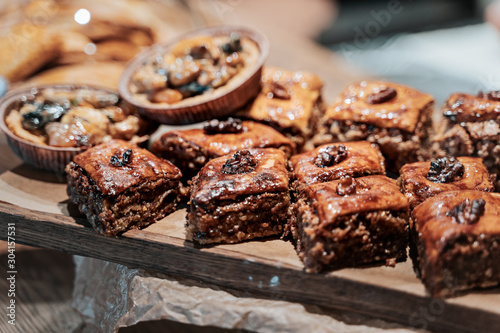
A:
(421, 180)
(471, 127)
(192, 149)
(291, 102)
(120, 186)
(332, 161)
(351, 221)
(457, 237)
(396, 117)
(240, 197)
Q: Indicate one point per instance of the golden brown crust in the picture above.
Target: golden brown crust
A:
(401, 112)
(254, 135)
(373, 193)
(304, 90)
(270, 175)
(112, 180)
(435, 228)
(469, 108)
(363, 158)
(417, 188)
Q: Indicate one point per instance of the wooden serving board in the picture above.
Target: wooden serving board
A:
(36, 202)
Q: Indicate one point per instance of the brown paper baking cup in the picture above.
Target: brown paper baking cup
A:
(41, 156)
(211, 105)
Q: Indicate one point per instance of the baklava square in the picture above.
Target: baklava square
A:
(120, 186)
(471, 127)
(396, 117)
(191, 149)
(421, 180)
(351, 221)
(457, 237)
(291, 102)
(333, 161)
(240, 197)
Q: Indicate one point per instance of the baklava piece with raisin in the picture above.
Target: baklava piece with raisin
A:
(396, 117)
(191, 149)
(291, 102)
(457, 236)
(351, 221)
(240, 197)
(120, 186)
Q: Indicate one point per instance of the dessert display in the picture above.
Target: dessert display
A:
(471, 128)
(239, 197)
(291, 102)
(351, 221)
(202, 75)
(396, 117)
(64, 116)
(192, 149)
(333, 161)
(120, 186)
(422, 180)
(457, 235)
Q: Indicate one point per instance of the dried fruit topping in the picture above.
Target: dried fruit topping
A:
(445, 170)
(330, 156)
(234, 44)
(279, 91)
(346, 186)
(241, 162)
(468, 212)
(126, 159)
(494, 95)
(230, 125)
(382, 96)
(42, 113)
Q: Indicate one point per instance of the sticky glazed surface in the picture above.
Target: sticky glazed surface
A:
(436, 229)
(254, 135)
(363, 158)
(401, 112)
(270, 175)
(416, 187)
(462, 107)
(112, 180)
(287, 99)
(373, 193)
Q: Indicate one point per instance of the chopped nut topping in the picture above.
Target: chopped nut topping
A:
(241, 162)
(346, 186)
(231, 125)
(126, 159)
(468, 212)
(330, 156)
(382, 96)
(445, 170)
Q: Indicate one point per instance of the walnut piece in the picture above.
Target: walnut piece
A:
(330, 156)
(382, 96)
(126, 159)
(494, 95)
(241, 162)
(445, 170)
(346, 186)
(230, 125)
(468, 212)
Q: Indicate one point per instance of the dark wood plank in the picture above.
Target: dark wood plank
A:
(255, 275)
